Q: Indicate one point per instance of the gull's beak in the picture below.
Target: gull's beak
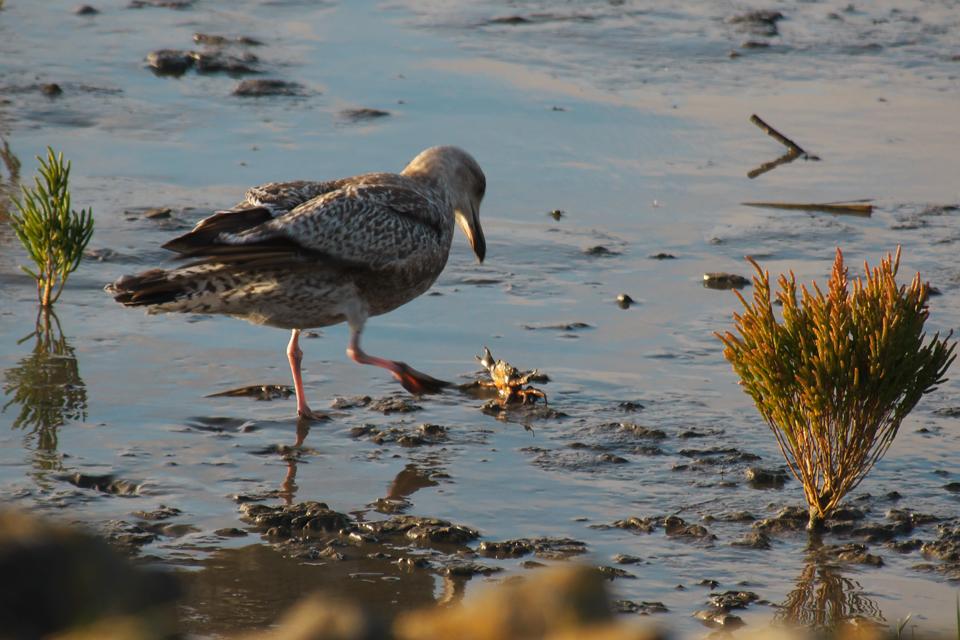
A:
(471, 227)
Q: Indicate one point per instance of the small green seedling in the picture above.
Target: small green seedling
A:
(53, 234)
(838, 376)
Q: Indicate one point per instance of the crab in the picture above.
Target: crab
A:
(508, 381)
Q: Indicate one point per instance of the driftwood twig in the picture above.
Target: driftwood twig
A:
(776, 135)
(862, 210)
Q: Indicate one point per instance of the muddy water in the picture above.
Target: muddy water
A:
(630, 118)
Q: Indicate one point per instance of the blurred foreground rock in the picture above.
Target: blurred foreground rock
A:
(556, 605)
(54, 578)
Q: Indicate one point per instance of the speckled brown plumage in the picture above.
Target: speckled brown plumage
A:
(298, 255)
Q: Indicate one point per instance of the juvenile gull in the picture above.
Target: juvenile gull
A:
(298, 255)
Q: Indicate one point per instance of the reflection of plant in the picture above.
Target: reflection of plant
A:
(47, 384)
(53, 235)
(837, 378)
(824, 601)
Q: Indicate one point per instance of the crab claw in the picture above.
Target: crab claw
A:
(487, 360)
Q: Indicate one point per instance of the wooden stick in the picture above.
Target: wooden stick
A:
(862, 210)
(788, 157)
(776, 135)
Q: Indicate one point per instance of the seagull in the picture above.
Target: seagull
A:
(301, 255)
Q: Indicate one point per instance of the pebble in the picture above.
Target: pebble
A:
(267, 87)
(760, 478)
(753, 540)
(624, 301)
(611, 573)
(363, 114)
(724, 281)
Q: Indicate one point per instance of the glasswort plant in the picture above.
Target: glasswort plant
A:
(836, 379)
(53, 235)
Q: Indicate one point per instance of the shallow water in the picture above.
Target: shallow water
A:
(631, 119)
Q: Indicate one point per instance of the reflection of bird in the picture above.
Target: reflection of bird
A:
(297, 255)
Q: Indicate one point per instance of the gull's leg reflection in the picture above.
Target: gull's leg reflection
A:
(289, 488)
(409, 481)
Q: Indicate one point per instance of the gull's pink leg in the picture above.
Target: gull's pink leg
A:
(412, 380)
(296, 355)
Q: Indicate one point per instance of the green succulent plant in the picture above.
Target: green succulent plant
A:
(53, 234)
(837, 377)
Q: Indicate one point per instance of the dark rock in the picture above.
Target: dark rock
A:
(906, 546)
(625, 559)
(719, 619)
(642, 432)
(212, 40)
(267, 87)
(847, 513)
(51, 89)
(600, 250)
(611, 573)
(953, 486)
(662, 256)
(647, 525)
(390, 405)
(553, 548)
(231, 532)
(128, 537)
(164, 4)
(86, 10)
(469, 569)
(788, 519)
(363, 114)
(730, 600)
(170, 61)
(613, 459)
(57, 581)
(162, 512)
(724, 281)
(761, 22)
(875, 532)
(349, 403)
(242, 498)
(712, 584)
(624, 301)
(629, 407)
(642, 608)
(103, 483)
(510, 20)
(217, 62)
(759, 478)
(411, 441)
(949, 571)
(906, 515)
(433, 430)
(753, 540)
(417, 528)
(304, 516)
(740, 516)
(155, 214)
(893, 496)
(852, 553)
(947, 547)
(677, 527)
(692, 434)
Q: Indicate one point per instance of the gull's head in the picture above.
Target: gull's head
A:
(459, 173)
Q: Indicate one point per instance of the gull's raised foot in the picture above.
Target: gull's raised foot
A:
(416, 382)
